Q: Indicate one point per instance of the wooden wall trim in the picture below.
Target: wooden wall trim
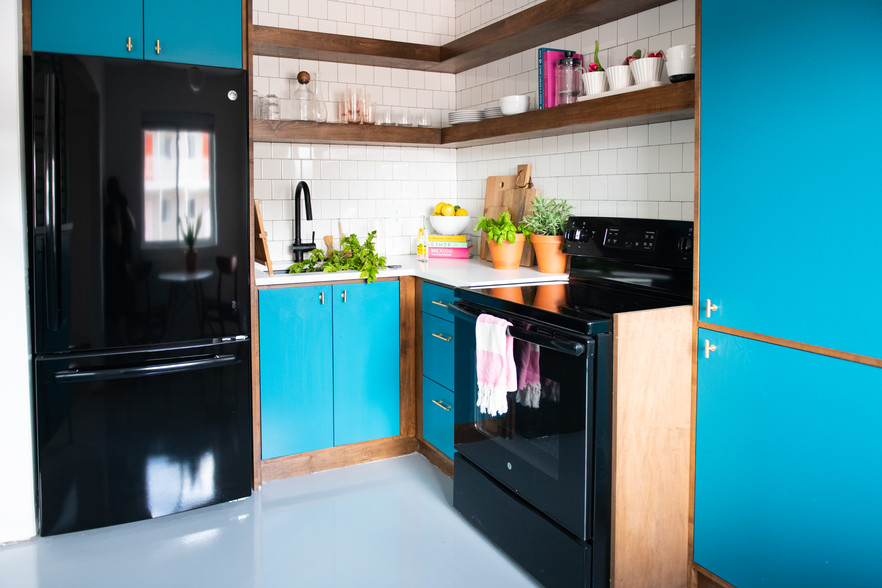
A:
(408, 344)
(336, 457)
(705, 579)
(695, 283)
(26, 33)
(846, 355)
(436, 457)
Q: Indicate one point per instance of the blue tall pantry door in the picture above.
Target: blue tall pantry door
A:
(788, 466)
(791, 193)
(367, 391)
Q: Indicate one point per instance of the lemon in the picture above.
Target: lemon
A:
(439, 206)
(462, 212)
(447, 210)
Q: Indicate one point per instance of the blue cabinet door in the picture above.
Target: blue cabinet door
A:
(438, 416)
(93, 27)
(788, 466)
(790, 197)
(366, 362)
(205, 32)
(296, 370)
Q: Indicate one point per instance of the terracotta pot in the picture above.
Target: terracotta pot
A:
(549, 253)
(507, 256)
(190, 260)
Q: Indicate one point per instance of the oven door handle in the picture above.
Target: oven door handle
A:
(573, 348)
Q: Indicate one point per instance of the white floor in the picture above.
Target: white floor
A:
(383, 524)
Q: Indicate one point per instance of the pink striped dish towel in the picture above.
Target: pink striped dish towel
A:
(495, 364)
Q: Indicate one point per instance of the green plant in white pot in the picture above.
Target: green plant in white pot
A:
(546, 222)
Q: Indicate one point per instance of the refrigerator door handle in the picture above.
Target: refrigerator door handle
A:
(50, 210)
(95, 375)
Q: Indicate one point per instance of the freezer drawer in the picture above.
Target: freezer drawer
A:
(131, 436)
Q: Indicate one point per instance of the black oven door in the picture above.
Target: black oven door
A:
(543, 447)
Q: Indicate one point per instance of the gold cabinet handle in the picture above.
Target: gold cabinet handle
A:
(709, 308)
(442, 337)
(344, 295)
(446, 407)
(708, 348)
(157, 48)
(439, 303)
(322, 297)
(129, 44)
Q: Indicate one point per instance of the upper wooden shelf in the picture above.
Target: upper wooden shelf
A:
(661, 104)
(539, 24)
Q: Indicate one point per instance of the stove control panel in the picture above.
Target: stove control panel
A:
(628, 238)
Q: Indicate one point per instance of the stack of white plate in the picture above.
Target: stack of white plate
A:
(457, 117)
(492, 112)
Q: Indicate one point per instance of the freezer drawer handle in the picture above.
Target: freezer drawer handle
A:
(573, 348)
(71, 376)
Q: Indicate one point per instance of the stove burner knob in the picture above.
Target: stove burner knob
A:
(685, 244)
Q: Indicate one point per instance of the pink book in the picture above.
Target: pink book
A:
(448, 252)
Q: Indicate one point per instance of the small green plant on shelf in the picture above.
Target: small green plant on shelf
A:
(352, 255)
(548, 216)
(502, 228)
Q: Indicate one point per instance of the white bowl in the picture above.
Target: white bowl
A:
(619, 76)
(514, 104)
(647, 69)
(449, 225)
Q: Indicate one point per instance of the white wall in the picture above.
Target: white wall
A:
(17, 520)
(640, 171)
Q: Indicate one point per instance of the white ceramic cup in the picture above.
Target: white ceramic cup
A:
(619, 76)
(680, 60)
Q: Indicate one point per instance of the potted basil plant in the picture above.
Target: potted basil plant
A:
(546, 222)
(506, 240)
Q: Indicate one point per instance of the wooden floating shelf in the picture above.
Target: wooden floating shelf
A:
(662, 104)
(543, 23)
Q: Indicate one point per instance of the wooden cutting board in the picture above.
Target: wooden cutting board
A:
(502, 194)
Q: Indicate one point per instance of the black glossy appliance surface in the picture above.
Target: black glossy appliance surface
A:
(141, 357)
(544, 466)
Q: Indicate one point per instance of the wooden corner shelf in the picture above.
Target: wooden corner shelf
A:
(662, 104)
(539, 24)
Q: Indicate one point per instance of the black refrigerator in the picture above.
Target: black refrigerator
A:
(137, 198)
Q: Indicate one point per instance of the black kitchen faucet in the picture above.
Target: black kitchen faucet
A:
(300, 248)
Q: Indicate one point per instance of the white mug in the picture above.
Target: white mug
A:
(680, 60)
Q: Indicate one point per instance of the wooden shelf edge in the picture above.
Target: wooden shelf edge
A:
(543, 23)
(297, 44)
(292, 131)
(662, 104)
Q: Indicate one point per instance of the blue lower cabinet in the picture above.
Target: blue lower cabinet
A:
(329, 366)
(367, 391)
(788, 466)
(438, 342)
(438, 416)
(296, 370)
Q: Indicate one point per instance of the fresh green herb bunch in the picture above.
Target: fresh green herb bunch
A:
(190, 231)
(501, 228)
(352, 255)
(548, 216)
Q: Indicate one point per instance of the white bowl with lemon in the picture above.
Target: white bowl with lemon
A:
(449, 219)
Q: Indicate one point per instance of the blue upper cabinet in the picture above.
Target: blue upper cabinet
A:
(206, 32)
(203, 32)
(790, 198)
(111, 28)
(367, 391)
(788, 466)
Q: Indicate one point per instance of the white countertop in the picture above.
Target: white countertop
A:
(456, 273)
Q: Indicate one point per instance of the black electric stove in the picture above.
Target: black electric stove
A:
(536, 479)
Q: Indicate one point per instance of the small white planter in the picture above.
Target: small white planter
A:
(595, 82)
(647, 69)
(619, 76)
